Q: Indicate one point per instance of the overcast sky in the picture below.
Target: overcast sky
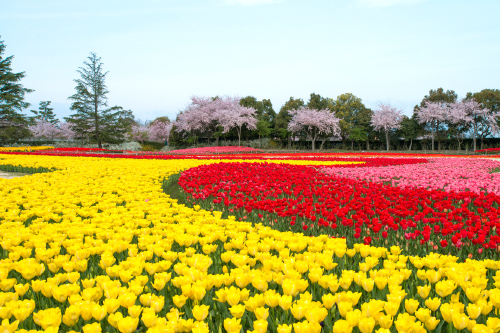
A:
(159, 53)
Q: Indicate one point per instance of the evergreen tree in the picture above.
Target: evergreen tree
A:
(92, 120)
(13, 124)
(45, 112)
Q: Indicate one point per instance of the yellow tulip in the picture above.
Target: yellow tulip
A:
(411, 305)
(316, 315)
(424, 291)
(473, 294)
(431, 323)
(9, 327)
(366, 325)
(344, 307)
(48, 318)
(133, 311)
(128, 324)
(149, 317)
(473, 311)
(284, 328)
(460, 321)
(260, 326)
(232, 324)
(480, 328)
(341, 326)
(423, 314)
(92, 328)
(385, 321)
(381, 282)
(179, 300)
(200, 312)
(391, 308)
(353, 317)
(237, 311)
(433, 303)
(261, 313)
(285, 302)
(367, 284)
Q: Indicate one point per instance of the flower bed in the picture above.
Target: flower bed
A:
(299, 197)
(215, 150)
(25, 149)
(95, 245)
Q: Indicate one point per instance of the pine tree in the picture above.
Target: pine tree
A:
(12, 122)
(45, 112)
(92, 120)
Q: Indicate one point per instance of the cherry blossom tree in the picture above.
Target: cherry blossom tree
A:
(66, 131)
(472, 113)
(159, 131)
(139, 133)
(434, 114)
(386, 118)
(314, 122)
(237, 116)
(44, 129)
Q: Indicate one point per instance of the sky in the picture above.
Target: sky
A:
(159, 53)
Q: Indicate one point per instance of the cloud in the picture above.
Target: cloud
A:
(251, 2)
(386, 3)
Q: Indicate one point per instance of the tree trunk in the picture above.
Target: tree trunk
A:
(352, 145)
(411, 142)
(343, 143)
(367, 144)
(217, 141)
(433, 141)
(387, 139)
(312, 144)
(322, 143)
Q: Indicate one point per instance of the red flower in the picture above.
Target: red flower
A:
(367, 240)
(444, 243)
(384, 234)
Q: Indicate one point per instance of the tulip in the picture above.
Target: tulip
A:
(48, 318)
(179, 300)
(423, 314)
(344, 307)
(341, 326)
(135, 311)
(431, 323)
(284, 328)
(460, 321)
(385, 321)
(480, 328)
(262, 313)
(92, 328)
(260, 326)
(316, 315)
(391, 308)
(285, 302)
(232, 324)
(353, 317)
(200, 312)
(411, 305)
(366, 325)
(473, 294)
(149, 317)
(328, 301)
(9, 327)
(128, 324)
(433, 303)
(473, 311)
(237, 311)
(424, 291)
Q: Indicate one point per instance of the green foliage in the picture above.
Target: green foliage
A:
(12, 93)
(45, 112)
(92, 120)
(283, 118)
(352, 114)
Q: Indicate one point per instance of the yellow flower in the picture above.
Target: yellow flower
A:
(316, 315)
(149, 317)
(328, 301)
(114, 319)
(261, 313)
(127, 300)
(391, 308)
(344, 307)
(272, 299)
(341, 326)
(381, 282)
(179, 300)
(48, 318)
(473, 311)
(284, 328)
(260, 326)
(385, 321)
(200, 312)
(433, 303)
(237, 311)
(232, 324)
(423, 314)
(411, 305)
(473, 294)
(21, 289)
(367, 284)
(424, 291)
(445, 287)
(92, 328)
(405, 322)
(431, 323)
(460, 321)
(134, 311)
(494, 324)
(111, 304)
(128, 324)
(298, 311)
(8, 328)
(285, 302)
(480, 328)
(366, 325)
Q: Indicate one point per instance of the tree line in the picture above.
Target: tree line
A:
(441, 116)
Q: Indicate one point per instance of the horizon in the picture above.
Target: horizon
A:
(391, 51)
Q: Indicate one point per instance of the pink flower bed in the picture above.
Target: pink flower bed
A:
(448, 174)
(215, 150)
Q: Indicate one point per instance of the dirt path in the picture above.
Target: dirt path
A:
(10, 175)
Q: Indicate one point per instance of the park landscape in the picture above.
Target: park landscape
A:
(189, 181)
(249, 241)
